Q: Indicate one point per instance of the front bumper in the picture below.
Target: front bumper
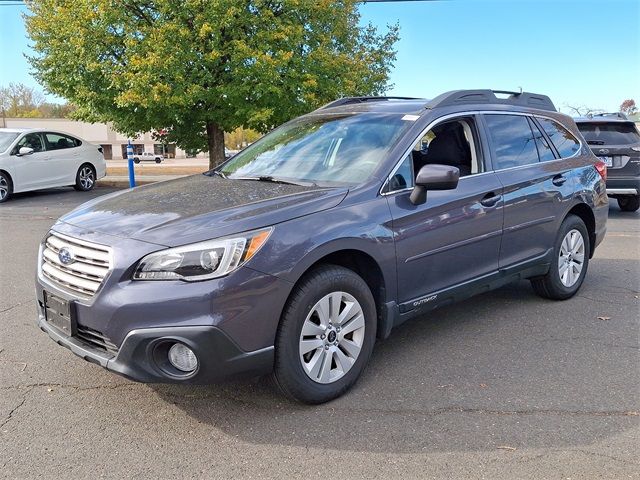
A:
(219, 358)
(229, 322)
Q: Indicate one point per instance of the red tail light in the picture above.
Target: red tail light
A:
(601, 167)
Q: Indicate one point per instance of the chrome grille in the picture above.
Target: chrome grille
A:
(85, 274)
(96, 339)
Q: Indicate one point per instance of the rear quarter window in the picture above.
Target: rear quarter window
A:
(611, 133)
(566, 144)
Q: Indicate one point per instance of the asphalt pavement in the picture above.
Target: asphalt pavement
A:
(501, 386)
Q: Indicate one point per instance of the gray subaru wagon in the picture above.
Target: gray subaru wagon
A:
(295, 255)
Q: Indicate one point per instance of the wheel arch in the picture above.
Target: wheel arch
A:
(584, 212)
(368, 268)
(2, 170)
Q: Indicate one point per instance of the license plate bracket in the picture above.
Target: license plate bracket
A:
(58, 312)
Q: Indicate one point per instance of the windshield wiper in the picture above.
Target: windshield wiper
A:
(211, 173)
(595, 142)
(271, 179)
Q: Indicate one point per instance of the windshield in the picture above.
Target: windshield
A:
(6, 139)
(341, 149)
(609, 133)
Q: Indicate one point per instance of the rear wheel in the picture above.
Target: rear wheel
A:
(629, 203)
(570, 262)
(85, 178)
(136, 160)
(326, 335)
(6, 187)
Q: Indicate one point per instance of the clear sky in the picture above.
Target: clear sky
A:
(579, 52)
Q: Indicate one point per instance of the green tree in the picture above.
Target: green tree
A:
(200, 68)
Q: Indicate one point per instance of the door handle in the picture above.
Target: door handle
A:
(490, 199)
(559, 180)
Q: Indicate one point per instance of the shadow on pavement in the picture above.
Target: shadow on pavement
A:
(504, 369)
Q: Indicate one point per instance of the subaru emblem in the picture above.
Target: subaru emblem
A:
(604, 150)
(66, 256)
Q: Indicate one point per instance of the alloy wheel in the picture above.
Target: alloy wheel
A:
(571, 258)
(332, 337)
(86, 178)
(4, 188)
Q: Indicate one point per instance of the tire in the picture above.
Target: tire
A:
(629, 203)
(315, 293)
(136, 160)
(85, 178)
(6, 187)
(158, 160)
(557, 286)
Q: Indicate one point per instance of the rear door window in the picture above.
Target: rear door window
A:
(566, 144)
(612, 133)
(56, 141)
(513, 141)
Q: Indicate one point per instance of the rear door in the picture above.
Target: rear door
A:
(538, 183)
(64, 158)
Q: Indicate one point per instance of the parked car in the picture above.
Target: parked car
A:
(616, 140)
(148, 157)
(32, 159)
(297, 253)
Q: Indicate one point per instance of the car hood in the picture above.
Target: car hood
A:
(199, 207)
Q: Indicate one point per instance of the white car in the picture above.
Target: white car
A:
(31, 159)
(148, 157)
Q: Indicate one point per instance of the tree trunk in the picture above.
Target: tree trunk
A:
(215, 139)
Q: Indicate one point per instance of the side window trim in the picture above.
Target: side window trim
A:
(487, 167)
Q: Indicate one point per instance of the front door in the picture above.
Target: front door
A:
(30, 170)
(454, 237)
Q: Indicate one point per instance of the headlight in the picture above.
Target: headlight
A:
(201, 261)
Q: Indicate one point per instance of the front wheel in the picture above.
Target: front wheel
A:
(6, 187)
(158, 160)
(570, 262)
(629, 203)
(85, 178)
(326, 335)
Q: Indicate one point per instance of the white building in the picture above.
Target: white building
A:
(113, 144)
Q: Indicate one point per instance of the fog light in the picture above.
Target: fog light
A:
(182, 357)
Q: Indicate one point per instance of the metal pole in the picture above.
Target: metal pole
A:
(132, 176)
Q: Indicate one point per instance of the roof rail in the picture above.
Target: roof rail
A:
(619, 115)
(352, 100)
(465, 97)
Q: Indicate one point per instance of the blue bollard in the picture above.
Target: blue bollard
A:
(132, 176)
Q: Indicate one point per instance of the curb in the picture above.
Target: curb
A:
(124, 182)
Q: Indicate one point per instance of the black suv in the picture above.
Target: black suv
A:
(297, 253)
(615, 139)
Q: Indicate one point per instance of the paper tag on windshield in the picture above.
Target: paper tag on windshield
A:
(411, 118)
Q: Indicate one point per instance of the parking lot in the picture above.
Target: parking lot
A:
(505, 385)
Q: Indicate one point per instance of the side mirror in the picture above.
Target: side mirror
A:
(25, 151)
(434, 177)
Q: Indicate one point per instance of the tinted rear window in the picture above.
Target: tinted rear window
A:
(609, 133)
(566, 144)
(513, 141)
